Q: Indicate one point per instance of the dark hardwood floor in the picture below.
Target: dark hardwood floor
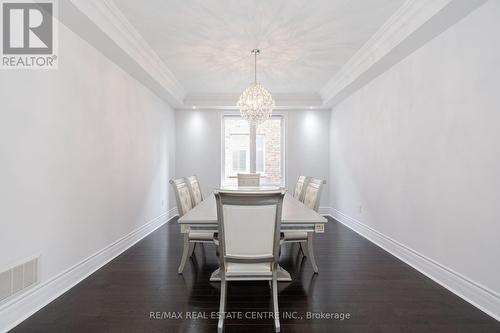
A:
(379, 292)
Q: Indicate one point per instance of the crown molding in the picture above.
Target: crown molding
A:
(410, 27)
(106, 28)
(113, 23)
(228, 101)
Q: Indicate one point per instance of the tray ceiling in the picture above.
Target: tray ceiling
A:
(206, 44)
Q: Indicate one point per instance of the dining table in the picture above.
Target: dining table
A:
(295, 217)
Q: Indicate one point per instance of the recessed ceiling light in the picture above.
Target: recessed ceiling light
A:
(194, 107)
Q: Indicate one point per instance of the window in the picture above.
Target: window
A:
(249, 149)
(240, 153)
(237, 146)
(269, 151)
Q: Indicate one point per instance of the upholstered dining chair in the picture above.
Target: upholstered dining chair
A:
(249, 241)
(185, 204)
(194, 189)
(311, 198)
(300, 187)
(248, 179)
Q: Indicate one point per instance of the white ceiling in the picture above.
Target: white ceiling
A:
(207, 43)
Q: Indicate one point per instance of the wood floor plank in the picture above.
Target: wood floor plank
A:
(381, 293)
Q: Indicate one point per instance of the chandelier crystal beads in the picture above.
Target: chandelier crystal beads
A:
(256, 103)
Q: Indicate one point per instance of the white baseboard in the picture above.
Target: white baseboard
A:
(324, 211)
(20, 307)
(480, 296)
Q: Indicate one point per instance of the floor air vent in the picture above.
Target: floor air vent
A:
(18, 278)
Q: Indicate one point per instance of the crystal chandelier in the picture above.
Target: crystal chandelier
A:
(256, 103)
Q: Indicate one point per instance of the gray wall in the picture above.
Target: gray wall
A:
(418, 150)
(198, 138)
(86, 152)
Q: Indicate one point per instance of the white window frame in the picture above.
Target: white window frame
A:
(264, 151)
(253, 133)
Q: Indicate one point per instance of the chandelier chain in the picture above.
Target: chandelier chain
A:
(255, 68)
(255, 52)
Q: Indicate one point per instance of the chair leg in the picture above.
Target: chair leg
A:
(185, 252)
(310, 248)
(302, 249)
(191, 249)
(277, 327)
(222, 307)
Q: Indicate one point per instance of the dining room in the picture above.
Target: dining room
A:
(249, 166)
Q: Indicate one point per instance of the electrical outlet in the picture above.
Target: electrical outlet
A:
(360, 209)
